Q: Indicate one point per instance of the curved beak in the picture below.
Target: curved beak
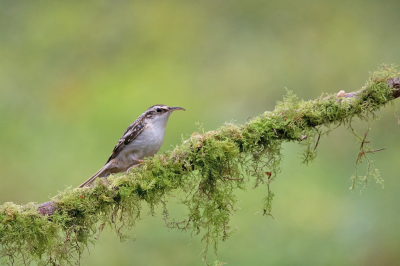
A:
(176, 109)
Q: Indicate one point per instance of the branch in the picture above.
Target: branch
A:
(207, 167)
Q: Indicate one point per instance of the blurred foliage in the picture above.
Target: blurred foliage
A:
(74, 75)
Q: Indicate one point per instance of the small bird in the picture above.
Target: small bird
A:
(143, 138)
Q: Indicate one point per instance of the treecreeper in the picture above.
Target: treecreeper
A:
(143, 138)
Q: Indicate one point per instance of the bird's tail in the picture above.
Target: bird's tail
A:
(103, 172)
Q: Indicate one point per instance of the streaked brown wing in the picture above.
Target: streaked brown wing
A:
(130, 134)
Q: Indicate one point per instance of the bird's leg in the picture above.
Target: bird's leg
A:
(133, 166)
(140, 162)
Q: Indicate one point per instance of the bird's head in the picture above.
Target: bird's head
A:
(160, 113)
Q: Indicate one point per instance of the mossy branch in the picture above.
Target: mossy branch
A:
(205, 170)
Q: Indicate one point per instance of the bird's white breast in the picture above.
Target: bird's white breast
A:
(147, 143)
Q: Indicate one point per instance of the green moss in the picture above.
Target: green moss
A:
(208, 168)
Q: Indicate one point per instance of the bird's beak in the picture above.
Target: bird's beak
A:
(176, 108)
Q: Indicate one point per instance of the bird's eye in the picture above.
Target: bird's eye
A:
(158, 110)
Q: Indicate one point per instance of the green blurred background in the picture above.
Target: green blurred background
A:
(75, 74)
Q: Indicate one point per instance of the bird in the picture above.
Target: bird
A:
(143, 138)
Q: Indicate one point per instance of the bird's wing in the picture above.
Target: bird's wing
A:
(130, 134)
